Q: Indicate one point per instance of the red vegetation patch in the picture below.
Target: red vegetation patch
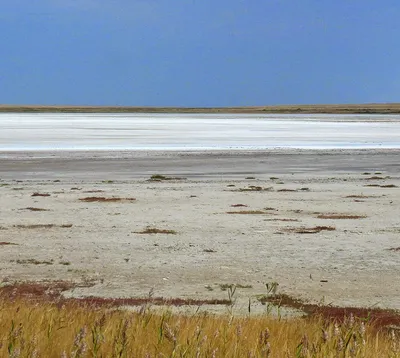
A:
(40, 194)
(97, 199)
(5, 243)
(310, 230)
(52, 292)
(379, 318)
(340, 216)
(275, 219)
(249, 212)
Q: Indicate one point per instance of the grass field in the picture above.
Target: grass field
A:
(36, 322)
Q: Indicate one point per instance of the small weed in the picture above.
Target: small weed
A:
(5, 243)
(274, 178)
(108, 181)
(65, 263)
(209, 250)
(250, 178)
(286, 190)
(239, 206)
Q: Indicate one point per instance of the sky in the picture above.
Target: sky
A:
(201, 53)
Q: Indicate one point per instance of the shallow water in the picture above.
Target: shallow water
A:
(192, 132)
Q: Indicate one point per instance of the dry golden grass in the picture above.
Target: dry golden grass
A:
(30, 329)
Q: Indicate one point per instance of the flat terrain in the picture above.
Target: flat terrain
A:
(188, 132)
(324, 225)
(378, 108)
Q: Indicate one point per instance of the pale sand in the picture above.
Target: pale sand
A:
(251, 249)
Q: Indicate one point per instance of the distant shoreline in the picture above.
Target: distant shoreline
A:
(384, 108)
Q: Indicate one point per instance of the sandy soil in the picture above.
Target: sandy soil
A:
(353, 263)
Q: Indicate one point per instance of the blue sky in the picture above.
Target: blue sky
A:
(199, 52)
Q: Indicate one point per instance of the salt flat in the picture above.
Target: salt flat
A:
(196, 132)
(323, 223)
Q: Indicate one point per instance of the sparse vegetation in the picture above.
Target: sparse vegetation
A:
(239, 206)
(159, 177)
(226, 286)
(5, 243)
(41, 194)
(42, 226)
(34, 262)
(310, 230)
(249, 212)
(251, 188)
(340, 216)
(153, 230)
(97, 199)
(35, 209)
